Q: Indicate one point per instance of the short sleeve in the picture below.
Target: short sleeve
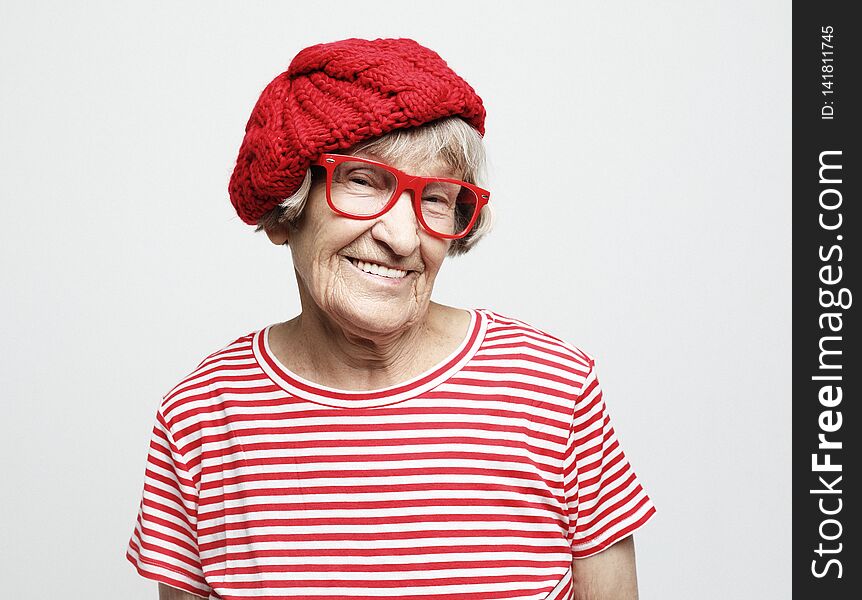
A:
(605, 500)
(163, 546)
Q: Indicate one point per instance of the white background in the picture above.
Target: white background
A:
(640, 168)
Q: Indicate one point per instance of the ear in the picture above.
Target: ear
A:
(278, 234)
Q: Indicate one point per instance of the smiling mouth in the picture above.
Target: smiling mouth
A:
(377, 269)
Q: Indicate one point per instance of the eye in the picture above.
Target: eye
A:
(440, 194)
(360, 177)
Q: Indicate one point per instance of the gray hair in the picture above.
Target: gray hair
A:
(451, 139)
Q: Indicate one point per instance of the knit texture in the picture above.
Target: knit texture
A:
(332, 97)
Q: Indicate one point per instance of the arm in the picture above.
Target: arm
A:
(167, 592)
(608, 575)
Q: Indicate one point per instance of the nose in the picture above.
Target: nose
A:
(398, 227)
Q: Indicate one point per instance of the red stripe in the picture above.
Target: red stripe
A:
(397, 567)
(370, 459)
(538, 549)
(387, 536)
(376, 489)
(377, 428)
(383, 584)
(376, 505)
(232, 445)
(514, 415)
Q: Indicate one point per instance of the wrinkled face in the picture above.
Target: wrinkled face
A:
(372, 276)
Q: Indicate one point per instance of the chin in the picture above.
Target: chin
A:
(378, 317)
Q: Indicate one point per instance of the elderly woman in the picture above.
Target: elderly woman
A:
(379, 444)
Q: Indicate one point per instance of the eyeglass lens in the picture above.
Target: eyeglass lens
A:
(363, 189)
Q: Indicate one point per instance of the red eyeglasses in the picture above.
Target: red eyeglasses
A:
(359, 188)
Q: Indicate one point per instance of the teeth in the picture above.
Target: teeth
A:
(376, 269)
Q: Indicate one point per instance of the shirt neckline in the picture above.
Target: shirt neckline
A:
(333, 397)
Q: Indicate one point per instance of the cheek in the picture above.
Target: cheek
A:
(320, 239)
(434, 252)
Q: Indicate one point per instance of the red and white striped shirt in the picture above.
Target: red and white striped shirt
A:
(480, 479)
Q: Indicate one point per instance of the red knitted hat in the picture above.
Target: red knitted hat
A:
(332, 97)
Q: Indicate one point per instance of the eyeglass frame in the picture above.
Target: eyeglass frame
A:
(404, 182)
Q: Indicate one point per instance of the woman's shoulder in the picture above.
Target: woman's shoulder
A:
(512, 330)
(232, 361)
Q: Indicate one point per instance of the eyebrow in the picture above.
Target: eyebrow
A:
(450, 172)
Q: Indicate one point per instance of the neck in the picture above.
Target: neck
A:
(320, 348)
